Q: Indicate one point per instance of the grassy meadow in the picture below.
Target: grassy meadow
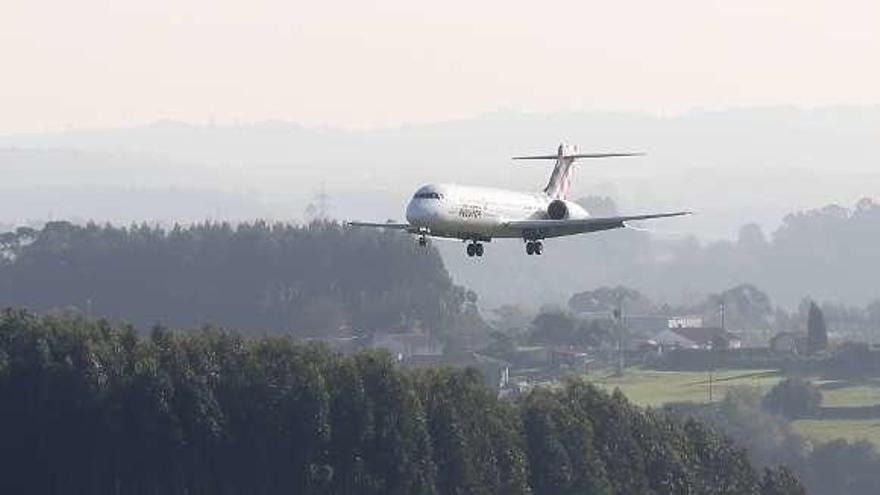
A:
(824, 430)
(656, 388)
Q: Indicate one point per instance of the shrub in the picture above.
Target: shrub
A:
(794, 398)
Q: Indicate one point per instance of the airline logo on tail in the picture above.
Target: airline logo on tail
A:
(560, 179)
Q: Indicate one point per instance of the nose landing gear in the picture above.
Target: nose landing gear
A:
(534, 247)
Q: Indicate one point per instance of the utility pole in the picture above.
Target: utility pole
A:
(618, 317)
(712, 348)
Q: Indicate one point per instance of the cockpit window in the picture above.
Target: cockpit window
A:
(428, 195)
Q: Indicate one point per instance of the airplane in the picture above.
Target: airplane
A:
(478, 214)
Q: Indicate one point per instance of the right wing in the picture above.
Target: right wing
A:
(387, 225)
(556, 228)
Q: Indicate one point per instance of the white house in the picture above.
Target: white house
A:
(697, 338)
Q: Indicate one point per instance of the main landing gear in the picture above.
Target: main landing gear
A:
(534, 247)
(474, 249)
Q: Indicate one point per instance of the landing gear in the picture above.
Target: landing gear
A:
(474, 249)
(534, 247)
(423, 241)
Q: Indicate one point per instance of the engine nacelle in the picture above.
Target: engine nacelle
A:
(557, 210)
(560, 209)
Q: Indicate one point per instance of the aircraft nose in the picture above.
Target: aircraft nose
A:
(413, 213)
(418, 212)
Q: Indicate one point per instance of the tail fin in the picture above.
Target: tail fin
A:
(560, 179)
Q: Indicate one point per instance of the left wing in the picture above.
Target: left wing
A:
(556, 228)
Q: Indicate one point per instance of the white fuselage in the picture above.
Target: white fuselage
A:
(478, 213)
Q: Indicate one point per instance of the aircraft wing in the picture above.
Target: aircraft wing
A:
(384, 225)
(555, 228)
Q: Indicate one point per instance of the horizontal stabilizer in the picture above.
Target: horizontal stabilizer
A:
(578, 155)
(566, 155)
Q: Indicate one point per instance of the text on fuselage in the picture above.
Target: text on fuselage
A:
(470, 211)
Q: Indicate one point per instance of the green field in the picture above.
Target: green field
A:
(823, 430)
(655, 388)
(850, 393)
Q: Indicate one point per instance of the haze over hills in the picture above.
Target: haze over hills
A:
(823, 254)
(757, 164)
(732, 167)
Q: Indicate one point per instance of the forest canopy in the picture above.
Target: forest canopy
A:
(305, 280)
(89, 407)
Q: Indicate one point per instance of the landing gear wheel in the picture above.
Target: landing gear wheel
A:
(478, 249)
(471, 250)
(423, 241)
(534, 247)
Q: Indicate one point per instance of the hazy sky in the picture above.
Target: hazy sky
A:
(89, 63)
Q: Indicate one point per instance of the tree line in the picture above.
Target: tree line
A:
(825, 254)
(87, 406)
(761, 424)
(308, 280)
